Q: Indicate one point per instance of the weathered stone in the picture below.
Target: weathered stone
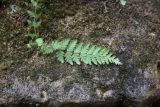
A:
(132, 33)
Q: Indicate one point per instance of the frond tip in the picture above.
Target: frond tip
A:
(73, 52)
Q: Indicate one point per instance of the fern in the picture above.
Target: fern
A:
(71, 51)
(67, 50)
(79, 52)
(34, 21)
(123, 2)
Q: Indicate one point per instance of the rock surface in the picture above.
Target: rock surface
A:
(132, 32)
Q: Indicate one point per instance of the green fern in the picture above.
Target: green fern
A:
(71, 51)
(34, 21)
(123, 2)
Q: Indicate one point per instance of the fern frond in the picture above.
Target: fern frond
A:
(47, 48)
(76, 58)
(71, 51)
(72, 45)
(56, 45)
(97, 49)
(76, 53)
(78, 48)
(83, 54)
(60, 56)
(68, 57)
(64, 43)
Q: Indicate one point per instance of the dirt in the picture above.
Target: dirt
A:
(130, 32)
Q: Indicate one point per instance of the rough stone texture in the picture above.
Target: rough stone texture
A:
(132, 32)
